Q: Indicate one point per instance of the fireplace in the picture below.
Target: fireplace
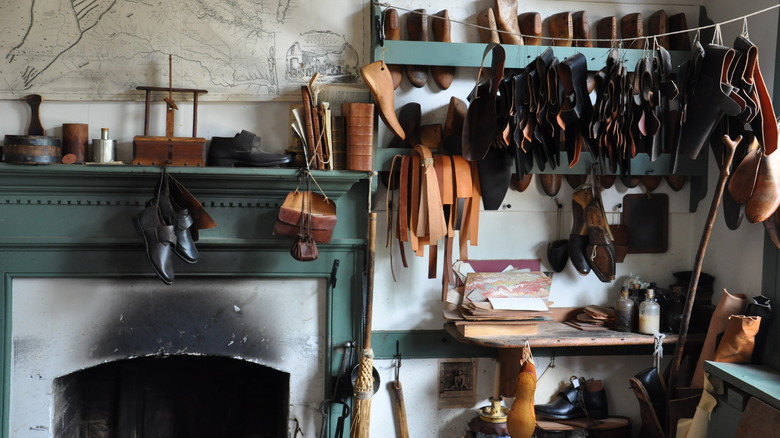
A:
(106, 358)
(96, 346)
(177, 396)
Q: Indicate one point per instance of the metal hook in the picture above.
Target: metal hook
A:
(745, 33)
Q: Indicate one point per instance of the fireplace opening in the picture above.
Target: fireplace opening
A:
(178, 396)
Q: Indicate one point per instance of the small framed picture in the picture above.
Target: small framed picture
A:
(457, 383)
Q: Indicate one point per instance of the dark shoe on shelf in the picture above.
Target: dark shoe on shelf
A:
(160, 240)
(243, 150)
(583, 398)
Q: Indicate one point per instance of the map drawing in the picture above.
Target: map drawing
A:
(236, 50)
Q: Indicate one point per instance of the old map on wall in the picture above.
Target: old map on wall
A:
(234, 49)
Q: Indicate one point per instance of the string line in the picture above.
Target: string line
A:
(616, 40)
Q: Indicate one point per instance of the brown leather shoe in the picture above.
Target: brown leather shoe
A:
(417, 28)
(578, 239)
(442, 74)
(380, 82)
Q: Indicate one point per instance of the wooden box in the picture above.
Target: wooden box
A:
(169, 151)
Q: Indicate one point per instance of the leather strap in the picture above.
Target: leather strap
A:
(430, 207)
(389, 206)
(415, 202)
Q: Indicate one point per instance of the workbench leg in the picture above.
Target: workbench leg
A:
(509, 368)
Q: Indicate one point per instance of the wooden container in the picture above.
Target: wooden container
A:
(169, 151)
(32, 149)
(75, 140)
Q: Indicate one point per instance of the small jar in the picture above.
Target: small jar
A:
(624, 312)
(649, 314)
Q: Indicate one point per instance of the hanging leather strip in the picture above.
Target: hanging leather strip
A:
(389, 209)
(431, 204)
(403, 208)
(415, 202)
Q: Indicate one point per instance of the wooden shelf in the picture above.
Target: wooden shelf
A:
(558, 334)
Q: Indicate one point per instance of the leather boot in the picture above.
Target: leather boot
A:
(738, 340)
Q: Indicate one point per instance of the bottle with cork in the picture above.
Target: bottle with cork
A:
(649, 314)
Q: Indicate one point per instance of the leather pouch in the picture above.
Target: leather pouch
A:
(319, 210)
(304, 249)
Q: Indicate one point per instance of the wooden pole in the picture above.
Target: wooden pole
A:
(730, 146)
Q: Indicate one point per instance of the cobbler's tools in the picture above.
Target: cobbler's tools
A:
(170, 150)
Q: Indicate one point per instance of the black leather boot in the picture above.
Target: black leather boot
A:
(242, 150)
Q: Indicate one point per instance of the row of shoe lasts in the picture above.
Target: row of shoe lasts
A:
(168, 228)
(583, 398)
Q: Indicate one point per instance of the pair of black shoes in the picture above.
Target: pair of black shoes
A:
(581, 399)
(166, 229)
(242, 150)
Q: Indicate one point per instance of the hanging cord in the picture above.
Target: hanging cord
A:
(621, 40)
(658, 349)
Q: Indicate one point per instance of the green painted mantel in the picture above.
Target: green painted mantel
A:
(75, 221)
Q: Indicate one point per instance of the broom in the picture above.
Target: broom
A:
(364, 385)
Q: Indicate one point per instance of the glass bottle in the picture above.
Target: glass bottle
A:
(624, 312)
(649, 314)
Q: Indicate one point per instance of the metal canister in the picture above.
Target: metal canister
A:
(103, 149)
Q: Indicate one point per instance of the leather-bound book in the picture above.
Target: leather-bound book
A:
(339, 143)
(360, 135)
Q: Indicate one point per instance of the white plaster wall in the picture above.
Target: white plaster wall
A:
(519, 231)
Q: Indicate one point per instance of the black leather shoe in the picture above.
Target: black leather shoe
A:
(580, 399)
(242, 150)
(179, 218)
(160, 240)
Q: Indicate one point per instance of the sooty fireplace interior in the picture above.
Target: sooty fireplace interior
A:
(134, 358)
